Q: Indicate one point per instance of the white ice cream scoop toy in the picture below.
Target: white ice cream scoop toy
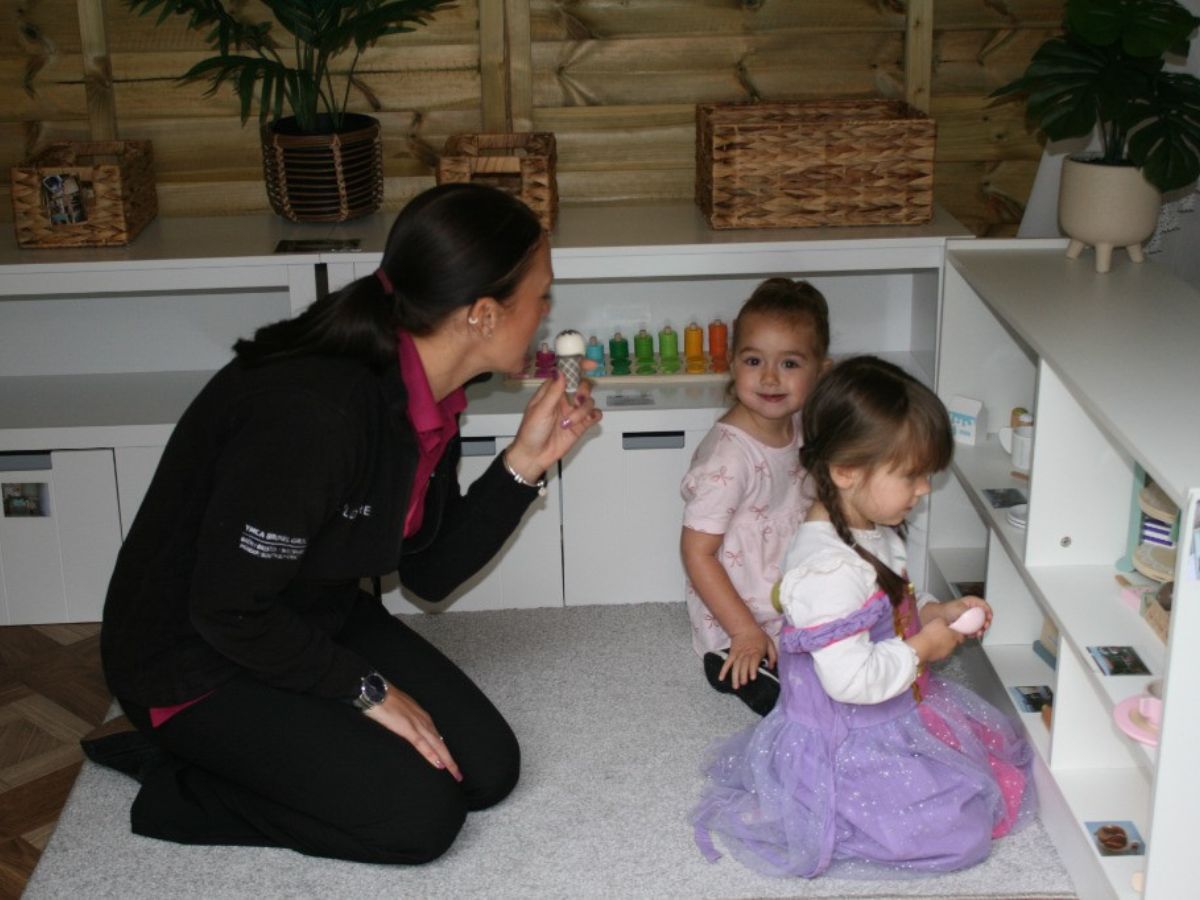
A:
(569, 350)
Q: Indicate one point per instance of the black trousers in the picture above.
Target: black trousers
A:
(253, 765)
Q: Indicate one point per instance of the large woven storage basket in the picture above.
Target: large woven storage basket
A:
(521, 163)
(84, 194)
(801, 164)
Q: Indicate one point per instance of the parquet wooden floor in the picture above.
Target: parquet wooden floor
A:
(52, 693)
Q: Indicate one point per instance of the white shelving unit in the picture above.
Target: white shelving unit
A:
(1108, 365)
(101, 350)
(621, 268)
(104, 348)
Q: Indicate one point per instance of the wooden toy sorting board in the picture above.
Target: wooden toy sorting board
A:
(613, 381)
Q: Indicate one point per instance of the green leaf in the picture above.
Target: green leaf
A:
(273, 76)
(1142, 28)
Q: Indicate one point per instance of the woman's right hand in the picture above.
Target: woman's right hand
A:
(551, 425)
(936, 640)
(402, 715)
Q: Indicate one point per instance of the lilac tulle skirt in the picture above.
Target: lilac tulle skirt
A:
(866, 790)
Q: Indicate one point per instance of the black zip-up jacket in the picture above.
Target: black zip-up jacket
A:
(280, 488)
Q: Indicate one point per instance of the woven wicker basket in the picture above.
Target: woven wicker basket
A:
(521, 163)
(810, 163)
(84, 194)
(325, 177)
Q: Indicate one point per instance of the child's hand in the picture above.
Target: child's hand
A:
(952, 609)
(935, 641)
(746, 650)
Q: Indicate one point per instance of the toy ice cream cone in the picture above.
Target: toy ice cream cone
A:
(569, 349)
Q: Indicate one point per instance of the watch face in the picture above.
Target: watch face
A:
(374, 688)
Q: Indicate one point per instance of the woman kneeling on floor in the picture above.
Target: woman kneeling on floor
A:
(276, 703)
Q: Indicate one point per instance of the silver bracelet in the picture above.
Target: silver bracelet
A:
(540, 484)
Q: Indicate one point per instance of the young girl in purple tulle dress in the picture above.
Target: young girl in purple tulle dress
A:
(869, 764)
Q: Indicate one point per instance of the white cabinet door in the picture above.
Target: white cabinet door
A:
(31, 581)
(135, 469)
(527, 572)
(622, 515)
(59, 536)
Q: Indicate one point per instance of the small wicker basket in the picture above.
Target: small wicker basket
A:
(521, 163)
(84, 194)
(802, 164)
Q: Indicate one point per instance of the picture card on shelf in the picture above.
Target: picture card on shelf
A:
(1118, 660)
(966, 420)
(1004, 498)
(317, 245)
(1116, 837)
(967, 588)
(1031, 698)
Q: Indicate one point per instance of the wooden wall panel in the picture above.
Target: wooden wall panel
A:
(615, 81)
(665, 69)
(558, 20)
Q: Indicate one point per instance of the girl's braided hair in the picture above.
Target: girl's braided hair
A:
(869, 413)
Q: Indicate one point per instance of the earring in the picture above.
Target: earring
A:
(472, 320)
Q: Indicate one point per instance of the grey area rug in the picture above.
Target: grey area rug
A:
(613, 715)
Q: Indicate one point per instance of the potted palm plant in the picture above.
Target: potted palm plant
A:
(1106, 75)
(322, 163)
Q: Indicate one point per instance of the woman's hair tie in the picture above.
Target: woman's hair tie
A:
(385, 281)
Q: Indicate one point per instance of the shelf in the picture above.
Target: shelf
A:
(987, 465)
(1103, 795)
(495, 406)
(1091, 795)
(1016, 665)
(671, 240)
(1092, 330)
(62, 412)
(214, 242)
(1085, 603)
(958, 564)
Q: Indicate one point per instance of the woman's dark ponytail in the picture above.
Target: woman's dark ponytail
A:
(450, 245)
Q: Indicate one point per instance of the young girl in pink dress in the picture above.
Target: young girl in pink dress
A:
(744, 491)
(869, 764)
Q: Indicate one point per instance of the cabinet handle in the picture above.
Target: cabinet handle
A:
(652, 440)
(25, 462)
(479, 446)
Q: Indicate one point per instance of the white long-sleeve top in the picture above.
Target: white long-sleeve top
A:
(826, 580)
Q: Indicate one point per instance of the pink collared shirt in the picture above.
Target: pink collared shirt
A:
(435, 423)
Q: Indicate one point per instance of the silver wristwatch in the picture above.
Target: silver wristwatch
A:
(373, 691)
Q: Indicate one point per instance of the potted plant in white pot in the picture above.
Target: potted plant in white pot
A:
(322, 163)
(1106, 75)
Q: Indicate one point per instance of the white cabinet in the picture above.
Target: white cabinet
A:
(622, 511)
(105, 348)
(528, 570)
(622, 268)
(1108, 365)
(59, 534)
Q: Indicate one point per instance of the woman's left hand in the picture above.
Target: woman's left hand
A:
(551, 426)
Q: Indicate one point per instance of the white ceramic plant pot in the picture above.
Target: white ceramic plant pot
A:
(1104, 207)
